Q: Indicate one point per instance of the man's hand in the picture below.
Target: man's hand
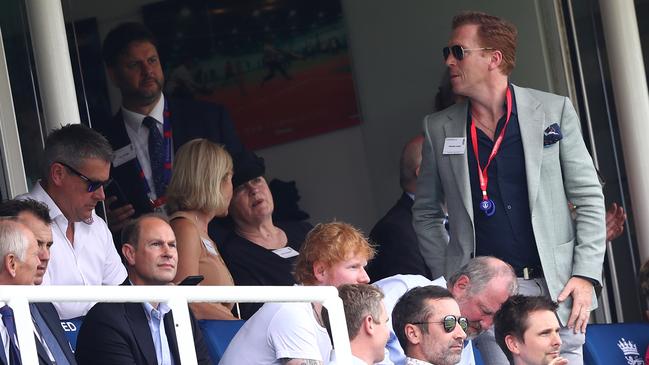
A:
(581, 291)
(558, 361)
(118, 217)
(615, 218)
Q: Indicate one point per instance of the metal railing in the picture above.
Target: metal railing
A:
(177, 297)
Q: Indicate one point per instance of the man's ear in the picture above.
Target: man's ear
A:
(10, 263)
(512, 344)
(461, 286)
(57, 173)
(368, 324)
(495, 60)
(413, 333)
(128, 251)
(320, 271)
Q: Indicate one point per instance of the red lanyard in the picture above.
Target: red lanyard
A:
(482, 173)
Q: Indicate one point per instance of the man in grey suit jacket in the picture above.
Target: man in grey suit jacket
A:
(518, 211)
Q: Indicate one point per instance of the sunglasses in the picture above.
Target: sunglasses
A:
(459, 52)
(450, 322)
(92, 184)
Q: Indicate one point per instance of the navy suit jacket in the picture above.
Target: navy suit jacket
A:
(189, 119)
(51, 318)
(397, 245)
(118, 333)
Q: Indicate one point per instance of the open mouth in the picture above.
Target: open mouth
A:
(257, 202)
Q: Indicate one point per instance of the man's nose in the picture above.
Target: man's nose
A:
(99, 194)
(43, 254)
(458, 332)
(364, 278)
(450, 60)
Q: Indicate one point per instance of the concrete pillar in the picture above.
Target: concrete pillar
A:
(52, 59)
(632, 105)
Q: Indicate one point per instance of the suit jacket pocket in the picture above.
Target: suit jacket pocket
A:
(563, 260)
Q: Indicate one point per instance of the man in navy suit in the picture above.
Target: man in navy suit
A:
(51, 343)
(394, 235)
(149, 127)
(139, 333)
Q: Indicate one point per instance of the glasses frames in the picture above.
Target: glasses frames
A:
(93, 185)
(450, 322)
(459, 52)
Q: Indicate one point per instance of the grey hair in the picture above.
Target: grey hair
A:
(481, 270)
(12, 239)
(74, 143)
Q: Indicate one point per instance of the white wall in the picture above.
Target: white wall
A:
(352, 174)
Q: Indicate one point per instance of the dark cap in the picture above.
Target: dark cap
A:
(247, 166)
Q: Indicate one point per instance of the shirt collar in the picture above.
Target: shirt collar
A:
(163, 309)
(514, 109)
(134, 120)
(41, 195)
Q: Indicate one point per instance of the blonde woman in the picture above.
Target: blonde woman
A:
(200, 189)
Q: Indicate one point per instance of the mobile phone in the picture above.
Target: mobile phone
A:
(113, 189)
(192, 280)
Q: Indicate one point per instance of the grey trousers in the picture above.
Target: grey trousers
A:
(571, 347)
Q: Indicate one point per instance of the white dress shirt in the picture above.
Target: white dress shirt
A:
(92, 260)
(138, 133)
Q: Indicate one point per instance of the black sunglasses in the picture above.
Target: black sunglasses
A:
(450, 322)
(92, 184)
(459, 51)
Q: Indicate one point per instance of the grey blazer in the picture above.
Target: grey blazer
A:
(556, 174)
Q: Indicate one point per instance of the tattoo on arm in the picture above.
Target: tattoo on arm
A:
(287, 361)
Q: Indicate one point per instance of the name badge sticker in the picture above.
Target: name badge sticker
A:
(123, 155)
(286, 252)
(454, 146)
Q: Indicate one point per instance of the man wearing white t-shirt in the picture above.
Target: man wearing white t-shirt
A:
(77, 165)
(293, 333)
(480, 287)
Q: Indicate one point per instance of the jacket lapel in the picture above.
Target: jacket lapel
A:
(531, 120)
(136, 318)
(170, 331)
(455, 126)
(53, 322)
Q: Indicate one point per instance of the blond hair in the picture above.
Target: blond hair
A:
(200, 169)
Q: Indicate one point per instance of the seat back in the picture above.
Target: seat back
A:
(617, 343)
(71, 328)
(218, 334)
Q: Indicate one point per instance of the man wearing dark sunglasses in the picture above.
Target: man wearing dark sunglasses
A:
(429, 326)
(77, 163)
(506, 162)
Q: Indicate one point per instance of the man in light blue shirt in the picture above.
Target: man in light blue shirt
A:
(134, 333)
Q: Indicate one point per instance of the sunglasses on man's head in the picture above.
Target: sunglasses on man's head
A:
(459, 52)
(450, 322)
(93, 185)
